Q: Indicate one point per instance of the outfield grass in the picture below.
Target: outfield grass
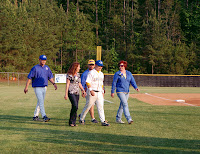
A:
(156, 129)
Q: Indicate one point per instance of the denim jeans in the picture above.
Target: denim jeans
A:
(40, 93)
(73, 114)
(123, 107)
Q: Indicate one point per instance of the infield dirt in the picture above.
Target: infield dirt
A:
(169, 99)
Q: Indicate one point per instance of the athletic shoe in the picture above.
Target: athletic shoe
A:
(82, 122)
(46, 119)
(105, 124)
(130, 121)
(79, 116)
(94, 121)
(120, 121)
(36, 118)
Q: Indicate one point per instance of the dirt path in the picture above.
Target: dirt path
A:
(169, 99)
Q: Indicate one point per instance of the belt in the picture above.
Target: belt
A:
(95, 90)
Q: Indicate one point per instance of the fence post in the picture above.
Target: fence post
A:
(8, 78)
(18, 78)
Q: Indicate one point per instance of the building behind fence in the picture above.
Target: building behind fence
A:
(148, 80)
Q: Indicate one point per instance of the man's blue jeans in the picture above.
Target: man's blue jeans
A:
(123, 106)
(40, 94)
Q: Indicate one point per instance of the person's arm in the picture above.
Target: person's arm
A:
(30, 76)
(54, 84)
(83, 80)
(67, 89)
(82, 90)
(133, 83)
(88, 83)
(27, 84)
(115, 78)
(89, 88)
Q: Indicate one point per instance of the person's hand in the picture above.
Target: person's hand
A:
(84, 94)
(55, 86)
(112, 95)
(138, 90)
(66, 97)
(92, 93)
(25, 90)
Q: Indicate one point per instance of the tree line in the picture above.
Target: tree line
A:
(153, 36)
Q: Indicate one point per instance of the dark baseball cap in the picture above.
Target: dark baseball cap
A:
(43, 57)
(99, 63)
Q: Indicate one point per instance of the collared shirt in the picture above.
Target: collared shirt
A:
(83, 79)
(74, 83)
(95, 79)
(121, 83)
(40, 75)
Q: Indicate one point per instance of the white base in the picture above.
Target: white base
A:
(180, 100)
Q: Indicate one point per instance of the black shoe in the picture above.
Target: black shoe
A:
(94, 121)
(46, 119)
(36, 118)
(105, 124)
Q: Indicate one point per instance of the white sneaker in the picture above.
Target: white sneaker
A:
(120, 122)
(130, 121)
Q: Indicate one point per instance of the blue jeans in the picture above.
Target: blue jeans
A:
(73, 114)
(40, 93)
(123, 106)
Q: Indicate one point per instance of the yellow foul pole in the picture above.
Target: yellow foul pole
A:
(98, 57)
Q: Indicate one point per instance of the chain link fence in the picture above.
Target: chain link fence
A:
(16, 78)
(13, 78)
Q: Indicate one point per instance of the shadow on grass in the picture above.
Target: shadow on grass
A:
(104, 143)
(23, 119)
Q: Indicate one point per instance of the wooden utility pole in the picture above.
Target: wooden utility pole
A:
(97, 31)
(61, 54)
(67, 6)
(125, 28)
(158, 9)
(77, 5)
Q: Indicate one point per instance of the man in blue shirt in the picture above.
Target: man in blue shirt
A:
(91, 64)
(40, 74)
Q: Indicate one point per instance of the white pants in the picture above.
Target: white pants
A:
(98, 98)
(40, 93)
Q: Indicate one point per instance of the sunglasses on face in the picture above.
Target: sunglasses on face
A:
(121, 65)
(91, 64)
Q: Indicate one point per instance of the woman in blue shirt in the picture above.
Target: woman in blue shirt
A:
(121, 81)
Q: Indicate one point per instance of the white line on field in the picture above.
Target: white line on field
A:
(108, 101)
(187, 104)
(169, 99)
(159, 97)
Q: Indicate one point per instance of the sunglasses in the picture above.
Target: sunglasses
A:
(121, 65)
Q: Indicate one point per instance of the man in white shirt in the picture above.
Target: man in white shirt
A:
(95, 92)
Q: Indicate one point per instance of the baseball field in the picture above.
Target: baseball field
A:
(169, 127)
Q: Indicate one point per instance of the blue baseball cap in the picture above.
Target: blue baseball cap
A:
(43, 57)
(99, 63)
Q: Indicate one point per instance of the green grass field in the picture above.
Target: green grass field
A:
(156, 129)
